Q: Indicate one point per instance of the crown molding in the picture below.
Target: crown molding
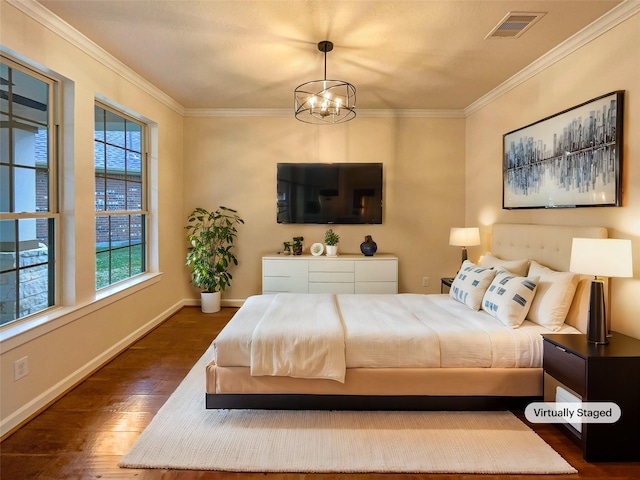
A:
(411, 113)
(238, 112)
(284, 112)
(61, 28)
(609, 20)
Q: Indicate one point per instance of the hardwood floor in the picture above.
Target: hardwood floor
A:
(85, 433)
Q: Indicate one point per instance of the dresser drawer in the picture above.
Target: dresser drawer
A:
(377, 271)
(334, 277)
(285, 268)
(565, 366)
(284, 285)
(331, 265)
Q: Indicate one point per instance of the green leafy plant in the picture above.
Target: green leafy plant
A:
(294, 246)
(212, 236)
(331, 237)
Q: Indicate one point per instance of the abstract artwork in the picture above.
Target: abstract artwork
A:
(571, 159)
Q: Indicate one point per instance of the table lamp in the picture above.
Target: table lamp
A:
(464, 237)
(600, 257)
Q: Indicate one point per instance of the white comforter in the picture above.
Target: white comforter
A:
(378, 331)
(299, 336)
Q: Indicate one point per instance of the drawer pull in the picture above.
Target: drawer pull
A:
(560, 348)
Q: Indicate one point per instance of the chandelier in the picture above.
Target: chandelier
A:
(325, 101)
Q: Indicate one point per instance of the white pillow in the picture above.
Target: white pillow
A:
(554, 296)
(470, 283)
(509, 298)
(518, 267)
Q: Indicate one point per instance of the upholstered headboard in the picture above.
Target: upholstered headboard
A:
(549, 245)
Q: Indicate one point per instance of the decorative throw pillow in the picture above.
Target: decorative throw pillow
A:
(517, 267)
(509, 298)
(470, 283)
(554, 296)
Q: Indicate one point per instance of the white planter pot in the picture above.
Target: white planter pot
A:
(210, 302)
(332, 250)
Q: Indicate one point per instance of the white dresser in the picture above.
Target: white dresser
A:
(322, 274)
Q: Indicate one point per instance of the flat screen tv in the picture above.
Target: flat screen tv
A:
(329, 193)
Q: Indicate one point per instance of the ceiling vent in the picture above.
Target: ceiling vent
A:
(515, 24)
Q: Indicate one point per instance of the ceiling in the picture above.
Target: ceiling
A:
(232, 54)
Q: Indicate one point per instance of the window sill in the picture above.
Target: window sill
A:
(24, 331)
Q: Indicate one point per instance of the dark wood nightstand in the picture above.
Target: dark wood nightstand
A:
(445, 283)
(598, 373)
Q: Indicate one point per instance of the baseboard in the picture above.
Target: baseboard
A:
(225, 302)
(9, 424)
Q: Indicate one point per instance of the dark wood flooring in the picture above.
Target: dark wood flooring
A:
(86, 432)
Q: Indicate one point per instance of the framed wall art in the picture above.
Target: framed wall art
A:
(570, 159)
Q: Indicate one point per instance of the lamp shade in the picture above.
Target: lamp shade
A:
(464, 237)
(604, 257)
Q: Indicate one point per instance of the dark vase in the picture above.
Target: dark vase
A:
(368, 247)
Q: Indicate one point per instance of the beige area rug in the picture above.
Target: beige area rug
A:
(184, 435)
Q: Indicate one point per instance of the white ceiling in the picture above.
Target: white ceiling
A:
(231, 54)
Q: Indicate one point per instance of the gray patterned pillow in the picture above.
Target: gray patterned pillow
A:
(470, 284)
(509, 297)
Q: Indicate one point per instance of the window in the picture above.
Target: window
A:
(120, 196)
(28, 192)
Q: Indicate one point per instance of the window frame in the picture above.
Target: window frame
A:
(145, 133)
(54, 274)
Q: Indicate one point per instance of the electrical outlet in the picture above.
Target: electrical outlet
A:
(425, 281)
(21, 368)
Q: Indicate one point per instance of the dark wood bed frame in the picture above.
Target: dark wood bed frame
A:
(364, 402)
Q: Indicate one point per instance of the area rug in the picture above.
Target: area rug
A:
(184, 435)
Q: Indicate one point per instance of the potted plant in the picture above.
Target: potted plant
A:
(297, 245)
(294, 247)
(331, 240)
(212, 236)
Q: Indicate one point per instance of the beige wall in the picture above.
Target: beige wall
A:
(60, 357)
(610, 62)
(232, 162)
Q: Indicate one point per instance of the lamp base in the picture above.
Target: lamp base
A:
(597, 326)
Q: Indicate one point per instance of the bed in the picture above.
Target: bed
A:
(408, 351)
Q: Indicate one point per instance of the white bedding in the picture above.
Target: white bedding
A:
(299, 336)
(469, 338)
(380, 331)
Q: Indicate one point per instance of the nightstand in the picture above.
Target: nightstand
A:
(445, 283)
(598, 373)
